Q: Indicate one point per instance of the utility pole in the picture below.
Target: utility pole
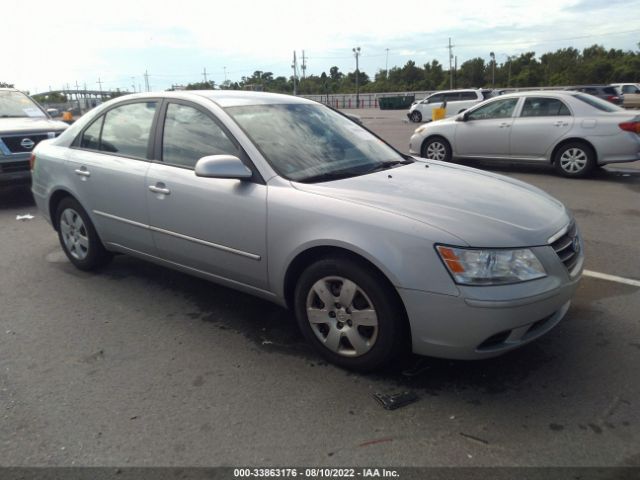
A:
(455, 73)
(450, 71)
(304, 65)
(204, 72)
(78, 94)
(493, 70)
(295, 73)
(225, 74)
(356, 52)
(100, 85)
(386, 65)
(146, 80)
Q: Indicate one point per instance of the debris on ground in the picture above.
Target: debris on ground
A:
(22, 218)
(474, 438)
(396, 400)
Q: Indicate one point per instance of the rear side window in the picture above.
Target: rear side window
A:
(544, 107)
(436, 98)
(452, 97)
(470, 96)
(127, 128)
(190, 134)
(91, 136)
(597, 103)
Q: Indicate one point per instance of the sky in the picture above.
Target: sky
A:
(112, 43)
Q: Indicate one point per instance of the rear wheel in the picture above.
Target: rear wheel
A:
(78, 236)
(416, 116)
(575, 160)
(347, 311)
(436, 148)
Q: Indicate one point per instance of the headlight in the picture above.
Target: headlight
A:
(491, 266)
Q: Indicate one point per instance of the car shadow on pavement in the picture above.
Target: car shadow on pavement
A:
(274, 330)
(16, 197)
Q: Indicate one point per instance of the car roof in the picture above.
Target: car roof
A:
(537, 93)
(226, 98)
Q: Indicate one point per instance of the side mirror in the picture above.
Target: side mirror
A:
(222, 166)
(463, 117)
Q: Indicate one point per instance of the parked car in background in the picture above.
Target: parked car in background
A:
(286, 199)
(605, 92)
(630, 92)
(457, 101)
(23, 124)
(573, 131)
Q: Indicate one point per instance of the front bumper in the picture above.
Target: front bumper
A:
(484, 322)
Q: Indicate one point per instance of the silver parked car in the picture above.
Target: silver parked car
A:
(573, 131)
(455, 100)
(377, 253)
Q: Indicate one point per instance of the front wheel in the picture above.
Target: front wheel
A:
(78, 236)
(575, 160)
(436, 148)
(416, 116)
(348, 313)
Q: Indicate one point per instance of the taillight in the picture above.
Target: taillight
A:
(32, 161)
(613, 98)
(633, 127)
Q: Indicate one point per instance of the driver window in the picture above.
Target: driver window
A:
(189, 135)
(498, 109)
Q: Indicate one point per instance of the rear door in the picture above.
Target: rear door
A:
(212, 225)
(542, 121)
(108, 164)
(486, 131)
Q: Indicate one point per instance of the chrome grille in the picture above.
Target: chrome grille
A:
(13, 142)
(568, 246)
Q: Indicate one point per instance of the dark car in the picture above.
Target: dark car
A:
(605, 92)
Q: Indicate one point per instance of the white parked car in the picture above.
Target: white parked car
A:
(457, 101)
(573, 131)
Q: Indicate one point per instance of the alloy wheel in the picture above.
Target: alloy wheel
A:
(74, 234)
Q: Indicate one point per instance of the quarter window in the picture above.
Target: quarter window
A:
(126, 129)
(190, 134)
(91, 136)
(468, 96)
(544, 107)
(498, 109)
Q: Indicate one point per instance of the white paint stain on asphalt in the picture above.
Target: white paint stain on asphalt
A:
(611, 278)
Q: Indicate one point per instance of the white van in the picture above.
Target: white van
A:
(457, 100)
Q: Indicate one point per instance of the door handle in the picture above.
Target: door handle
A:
(83, 172)
(504, 125)
(159, 188)
(561, 124)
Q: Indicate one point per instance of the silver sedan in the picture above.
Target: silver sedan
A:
(376, 252)
(573, 131)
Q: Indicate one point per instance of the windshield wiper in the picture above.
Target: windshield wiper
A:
(328, 176)
(387, 165)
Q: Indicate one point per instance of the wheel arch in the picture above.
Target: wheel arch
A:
(435, 135)
(564, 141)
(54, 200)
(310, 255)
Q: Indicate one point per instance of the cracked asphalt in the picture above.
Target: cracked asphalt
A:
(139, 365)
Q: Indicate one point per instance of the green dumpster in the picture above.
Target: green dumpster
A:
(398, 102)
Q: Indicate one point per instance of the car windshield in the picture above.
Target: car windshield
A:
(598, 103)
(309, 143)
(17, 104)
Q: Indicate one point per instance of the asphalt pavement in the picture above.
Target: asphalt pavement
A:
(140, 365)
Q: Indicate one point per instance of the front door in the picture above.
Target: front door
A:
(485, 133)
(217, 226)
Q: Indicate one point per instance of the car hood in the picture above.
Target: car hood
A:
(480, 208)
(30, 125)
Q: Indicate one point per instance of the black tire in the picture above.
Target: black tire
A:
(383, 342)
(575, 160)
(416, 116)
(436, 148)
(87, 257)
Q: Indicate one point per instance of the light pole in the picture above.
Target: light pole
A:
(386, 65)
(356, 52)
(493, 69)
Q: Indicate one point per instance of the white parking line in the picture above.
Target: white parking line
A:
(611, 278)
